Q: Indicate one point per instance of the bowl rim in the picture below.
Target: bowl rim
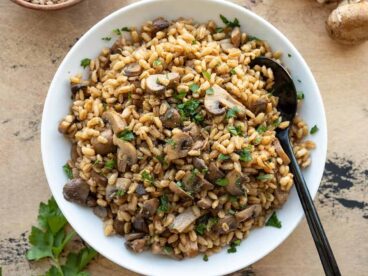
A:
(301, 61)
(52, 7)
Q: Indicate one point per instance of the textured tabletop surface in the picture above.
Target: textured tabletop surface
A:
(34, 43)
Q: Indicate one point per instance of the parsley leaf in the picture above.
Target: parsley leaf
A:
(125, 29)
(219, 30)
(157, 62)
(76, 262)
(168, 250)
(206, 75)
(228, 23)
(107, 38)
(289, 55)
(146, 176)
(210, 91)
(164, 204)
(233, 245)
(261, 128)
(201, 228)
(231, 113)
(171, 142)
(119, 192)
(190, 109)
(314, 129)
(222, 182)
(68, 171)
(233, 72)
(50, 216)
(223, 157)
(126, 135)
(205, 258)
(264, 177)
(245, 155)
(85, 62)
(274, 221)
(110, 164)
(194, 87)
(300, 95)
(116, 31)
(194, 42)
(211, 222)
(180, 95)
(251, 38)
(235, 130)
(162, 160)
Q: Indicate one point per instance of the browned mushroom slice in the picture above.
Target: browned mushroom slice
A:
(281, 197)
(217, 102)
(76, 87)
(252, 211)
(205, 184)
(199, 164)
(117, 123)
(157, 83)
(133, 236)
(193, 130)
(139, 224)
(137, 245)
(204, 203)
(98, 179)
(118, 226)
(179, 147)
(77, 191)
(110, 192)
(171, 118)
(280, 152)
(192, 249)
(236, 180)
(235, 37)
(74, 152)
(140, 190)
(214, 173)
(100, 211)
(150, 207)
(179, 191)
(191, 182)
(183, 220)
(126, 154)
(226, 45)
(101, 148)
(132, 70)
(159, 24)
(226, 225)
(258, 106)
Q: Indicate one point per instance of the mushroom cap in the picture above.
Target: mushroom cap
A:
(216, 102)
(348, 23)
(116, 122)
(214, 173)
(171, 118)
(159, 24)
(126, 154)
(106, 148)
(180, 147)
(235, 183)
(132, 70)
(157, 83)
(76, 190)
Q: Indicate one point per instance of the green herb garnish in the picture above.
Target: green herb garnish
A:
(210, 91)
(190, 109)
(314, 129)
(205, 258)
(222, 182)
(107, 38)
(219, 30)
(194, 42)
(223, 157)
(157, 62)
(206, 74)
(126, 135)
(120, 192)
(299, 80)
(264, 177)
(125, 29)
(171, 142)
(180, 95)
(146, 176)
(162, 160)
(116, 31)
(274, 221)
(194, 87)
(164, 204)
(231, 113)
(85, 62)
(68, 171)
(211, 222)
(245, 155)
(110, 164)
(235, 130)
(251, 38)
(257, 140)
(277, 122)
(201, 228)
(228, 23)
(233, 246)
(261, 128)
(168, 250)
(300, 95)
(233, 72)
(233, 198)
(289, 55)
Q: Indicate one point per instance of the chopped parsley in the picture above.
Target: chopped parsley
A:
(314, 129)
(211, 222)
(146, 176)
(233, 245)
(162, 160)
(264, 177)
(299, 80)
(277, 122)
(219, 30)
(194, 42)
(233, 72)
(168, 250)
(223, 157)
(261, 128)
(194, 87)
(228, 23)
(110, 164)
(289, 55)
(222, 182)
(257, 140)
(190, 109)
(233, 198)
(171, 142)
(205, 258)
(235, 130)
(180, 184)
(85, 62)
(126, 135)
(231, 113)
(68, 171)
(120, 192)
(157, 62)
(231, 212)
(274, 221)
(251, 38)
(206, 75)
(210, 91)
(125, 29)
(180, 95)
(107, 38)
(245, 155)
(164, 204)
(201, 228)
(116, 31)
(300, 95)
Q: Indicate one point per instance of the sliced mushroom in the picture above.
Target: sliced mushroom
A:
(100, 211)
(110, 192)
(133, 236)
(204, 203)
(91, 200)
(280, 151)
(236, 180)
(251, 212)
(235, 37)
(98, 179)
(150, 207)
(281, 197)
(258, 106)
(226, 225)
(137, 245)
(199, 164)
(117, 123)
(205, 184)
(126, 154)
(74, 152)
(76, 87)
(140, 190)
(183, 220)
(157, 83)
(180, 146)
(226, 45)
(214, 173)
(216, 102)
(139, 224)
(171, 118)
(118, 226)
(101, 148)
(179, 191)
(159, 24)
(132, 70)
(193, 130)
(122, 183)
(191, 182)
(77, 191)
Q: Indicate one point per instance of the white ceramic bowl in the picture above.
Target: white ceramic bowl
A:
(55, 148)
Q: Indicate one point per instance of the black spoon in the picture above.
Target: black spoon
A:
(285, 90)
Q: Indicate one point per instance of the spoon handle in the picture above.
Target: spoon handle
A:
(324, 250)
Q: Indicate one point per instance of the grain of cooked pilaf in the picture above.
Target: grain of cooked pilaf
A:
(174, 141)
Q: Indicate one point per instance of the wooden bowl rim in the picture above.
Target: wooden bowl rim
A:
(59, 6)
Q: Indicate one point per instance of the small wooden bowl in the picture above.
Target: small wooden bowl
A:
(30, 5)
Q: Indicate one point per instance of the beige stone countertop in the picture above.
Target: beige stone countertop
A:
(34, 43)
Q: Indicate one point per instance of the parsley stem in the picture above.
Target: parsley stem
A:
(56, 263)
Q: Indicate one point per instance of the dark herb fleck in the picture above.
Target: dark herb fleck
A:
(289, 55)
(223, 157)
(125, 29)
(205, 258)
(264, 177)
(146, 176)
(126, 135)
(116, 31)
(233, 72)
(222, 182)
(194, 87)
(157, 62)
(110, 164)
(206, 74)
(314, 129)
(235, 130)
(228, 23)
(68, 171)
(274, 221)
(200, 228)
(245, 155)
(219, 30)
(261, 128)
(164, 204)
(210, 91)
(231, 113)
(107, 38)
(85, 62)
(300, 95)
